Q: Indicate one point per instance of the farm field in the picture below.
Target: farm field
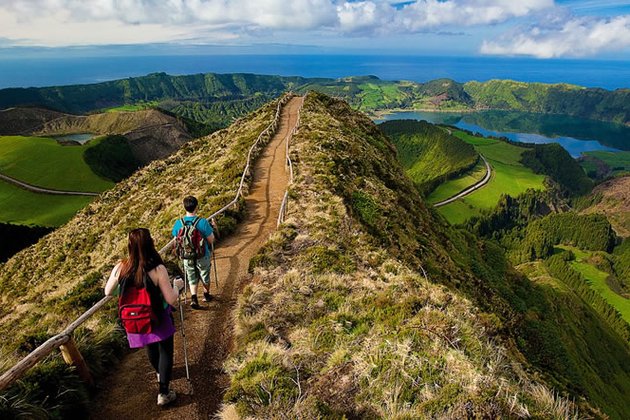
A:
(509, 176)
(23, 207)
(46, 163)
(597, 281)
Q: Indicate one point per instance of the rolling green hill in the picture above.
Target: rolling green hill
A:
(353, 314)
(218, 98)
(365, 304)
(45, 286)
(429, 154)
(46, 163)
(554, 161)
(592, 103)
(21, 207)
(509, 176)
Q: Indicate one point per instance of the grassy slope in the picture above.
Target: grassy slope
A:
(340, 321)
(558, 98)
(454, 186)
(138, 106)
(45, 286)
(23, 207)
(618, 162)
(612, 198)
(594, 360)
(509, 177)
(364, 92)
(46, 163)
(428, 153)
(597, 280)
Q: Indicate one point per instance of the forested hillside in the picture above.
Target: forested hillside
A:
(593, 103)
(219, 98)
(429, 154)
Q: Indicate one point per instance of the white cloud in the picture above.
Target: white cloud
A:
(79, 22)
(433, 13)
(575, 37)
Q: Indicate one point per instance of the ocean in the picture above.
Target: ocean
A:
(23, 72)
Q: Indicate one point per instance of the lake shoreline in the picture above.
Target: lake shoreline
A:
(576, 135)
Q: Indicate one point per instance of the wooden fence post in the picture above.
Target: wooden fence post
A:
(72, 356)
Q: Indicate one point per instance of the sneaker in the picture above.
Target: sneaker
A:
(194, 303)
(164, 399)
(207, 297)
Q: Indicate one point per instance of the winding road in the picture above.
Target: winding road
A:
(131, 390)
(36, 189)
(470, 189)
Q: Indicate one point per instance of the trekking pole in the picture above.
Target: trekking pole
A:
(214, 262)
(185, 284)
(181, 317)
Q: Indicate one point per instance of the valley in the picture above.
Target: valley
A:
(521, 285)
(509, 176)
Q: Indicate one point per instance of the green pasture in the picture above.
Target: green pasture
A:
(375, 96)
(452, 187)
(597, 281)
(46, 163)
(618, 161)
(509, 176)
(138, 106)
(23, 207)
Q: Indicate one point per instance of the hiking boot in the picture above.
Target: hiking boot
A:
(164, 399)
(194, 303)
(207, 297)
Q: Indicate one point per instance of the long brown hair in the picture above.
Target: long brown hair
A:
(143, 257)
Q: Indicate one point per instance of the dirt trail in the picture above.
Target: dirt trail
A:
(131, 391)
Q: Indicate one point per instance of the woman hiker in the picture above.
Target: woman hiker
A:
(143, 279)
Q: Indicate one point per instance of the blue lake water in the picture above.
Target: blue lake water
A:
(574, 134)
(79, 138)
(25, 72)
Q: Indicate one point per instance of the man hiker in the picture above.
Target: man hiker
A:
(192, 236)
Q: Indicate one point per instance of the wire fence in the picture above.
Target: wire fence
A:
(285, 199)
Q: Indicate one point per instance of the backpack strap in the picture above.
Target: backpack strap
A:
(196, 221)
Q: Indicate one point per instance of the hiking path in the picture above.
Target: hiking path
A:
(130, 390)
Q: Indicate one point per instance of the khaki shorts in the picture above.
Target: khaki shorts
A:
(202, 270)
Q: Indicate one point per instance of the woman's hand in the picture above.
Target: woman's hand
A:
(178, 283)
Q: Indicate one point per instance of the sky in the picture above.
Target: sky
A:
(541, 29)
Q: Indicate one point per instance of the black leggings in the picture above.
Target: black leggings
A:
(161, 358)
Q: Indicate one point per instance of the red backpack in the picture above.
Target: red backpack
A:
(134, 308)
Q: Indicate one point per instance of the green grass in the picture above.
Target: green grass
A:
(46, 163)
(139, 106)
(450, 188)
(509, 176)
(23, 207)
(618, 161)
(374, 95)
(597, 281)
